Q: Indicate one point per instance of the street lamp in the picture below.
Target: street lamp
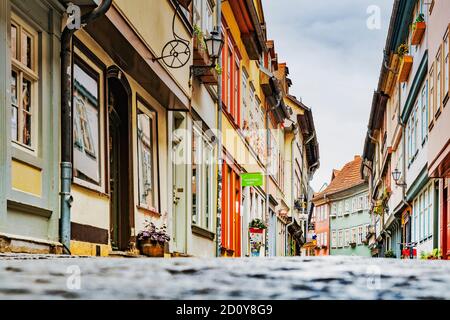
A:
(214, 44)
(396, 174)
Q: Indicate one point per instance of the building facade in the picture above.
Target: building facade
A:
(142, 145)
(405, 200)
(439, 118)
(344, 204)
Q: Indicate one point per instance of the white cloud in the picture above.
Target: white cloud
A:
(334, 62)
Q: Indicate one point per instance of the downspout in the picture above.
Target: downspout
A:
(266, 242)
(287, 246)
(66, 121)
(219, 140)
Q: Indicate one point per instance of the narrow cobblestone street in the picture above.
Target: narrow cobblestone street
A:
(43, 277)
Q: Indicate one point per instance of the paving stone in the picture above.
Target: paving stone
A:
(62, 277)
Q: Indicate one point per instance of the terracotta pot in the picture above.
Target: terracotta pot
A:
(152, 248)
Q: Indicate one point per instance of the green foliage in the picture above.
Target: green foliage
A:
(257, 224)
(389, 254)
(218, 69)
(420, 18)
(433, 255)
(403, 50)
(198, 33)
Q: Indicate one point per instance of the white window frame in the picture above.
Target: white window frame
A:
(142, 108)
(100, 155)
(30, 73)
(204, 156)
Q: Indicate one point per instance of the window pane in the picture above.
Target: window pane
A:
(145, 158)
(86, 130)
(196, 148)
(26, 107)
(27, 45)
(14, 108)
(13, 41)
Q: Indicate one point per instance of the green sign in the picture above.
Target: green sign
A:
(252, 179)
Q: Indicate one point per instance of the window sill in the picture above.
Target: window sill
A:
(199, 231)
(26, 157)
(83, 185)
(147, 211)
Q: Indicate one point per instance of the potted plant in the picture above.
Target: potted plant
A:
(201, 56)
(257, 225)
(353, 244)
(433, 255)
(389, 254)
(153, 240)
(418, 29)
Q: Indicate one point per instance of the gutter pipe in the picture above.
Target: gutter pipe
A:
(66, 122)
(219, 142)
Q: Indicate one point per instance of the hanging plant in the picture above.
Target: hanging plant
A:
(257, 224)
(218, 69)
(200, 36)
(403, 50)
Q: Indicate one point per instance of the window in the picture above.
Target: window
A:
(230, 77)
(347, 238)
(325, 238)
(347, 206)
(333, 209)
(203, 16)
(422, 215)
(340, 209)
(24, 84)
(340, 239)
(86, 124)
(147, 157)
(360, 234)
(354, 235)
(431, 104)
(446, 64)
(244, 89)
(438, 81)
(333, 239)
(202, 179)
(424, 111)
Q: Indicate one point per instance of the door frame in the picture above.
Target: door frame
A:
(114, 72)
(180, 247)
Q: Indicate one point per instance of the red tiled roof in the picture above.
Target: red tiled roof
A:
(348, 177)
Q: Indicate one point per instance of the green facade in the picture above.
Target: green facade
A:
(24, 215)
(348, 220)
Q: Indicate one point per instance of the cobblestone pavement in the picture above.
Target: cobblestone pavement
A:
(44, 277)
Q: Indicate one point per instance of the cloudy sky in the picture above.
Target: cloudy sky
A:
(334, 61)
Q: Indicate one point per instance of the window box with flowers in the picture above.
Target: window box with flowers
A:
(201, 56)
(419, 27)
(153, 241)
(406, 62)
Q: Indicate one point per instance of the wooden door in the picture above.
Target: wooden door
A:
(231, 212)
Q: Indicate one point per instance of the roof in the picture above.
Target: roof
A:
(348, 177)
(308, 131)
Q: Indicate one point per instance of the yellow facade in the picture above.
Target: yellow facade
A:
(26, 178)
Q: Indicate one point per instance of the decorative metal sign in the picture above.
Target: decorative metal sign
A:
(176, 53)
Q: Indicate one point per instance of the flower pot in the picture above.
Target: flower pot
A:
(405, 69)
(152, 248)
(419, 31)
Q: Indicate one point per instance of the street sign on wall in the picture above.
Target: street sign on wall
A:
(252, 179)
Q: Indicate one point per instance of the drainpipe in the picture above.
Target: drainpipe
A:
(292, 197)
(267, 213)
(66, 121)
(219, 140)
